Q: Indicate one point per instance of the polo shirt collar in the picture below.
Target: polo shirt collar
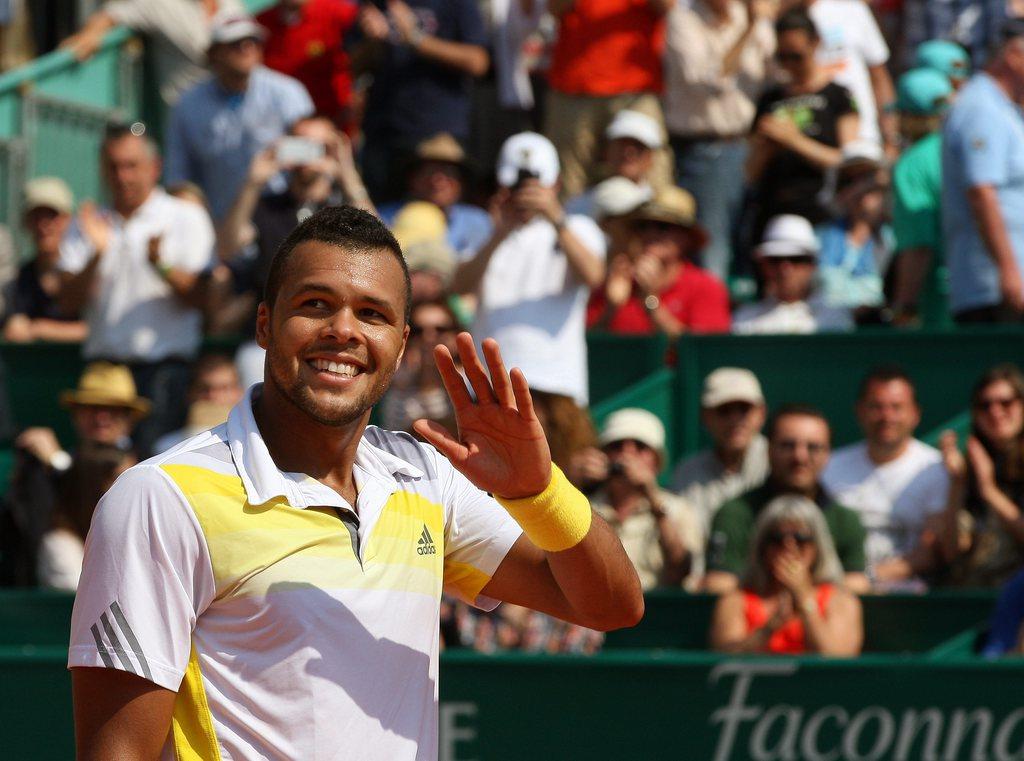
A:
(374, 470)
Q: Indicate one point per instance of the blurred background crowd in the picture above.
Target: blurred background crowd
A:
(553, 167)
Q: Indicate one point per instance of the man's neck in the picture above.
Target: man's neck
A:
(780, 488)
(731, 459)
(233, 83)
(315, 192)
(299, 444)
(127, 210)
(859, 231)
(1006, 82)
(624, 498)
(880, 454)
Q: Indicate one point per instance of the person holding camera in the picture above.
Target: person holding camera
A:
(534, 274)
(659, 530)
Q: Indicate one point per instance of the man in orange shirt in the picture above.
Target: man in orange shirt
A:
(607, 57)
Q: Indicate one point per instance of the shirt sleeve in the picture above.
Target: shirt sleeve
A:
(915, 216)
(471, 29)
(75, 251)
(590, 234)
(190, 242)
(130, 13)
(177, 164)
(296, 104)
(872, 43)
(983, 149)
(478, 534)
(145, 580)
(849, 538)
(727, 545)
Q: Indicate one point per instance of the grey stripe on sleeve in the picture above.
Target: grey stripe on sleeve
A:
(115, 645)
(130, 636)
(100, 647)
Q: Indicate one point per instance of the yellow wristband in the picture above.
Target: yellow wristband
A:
(556, 519)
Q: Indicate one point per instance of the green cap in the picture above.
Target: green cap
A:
(923, 92)
(944, 56)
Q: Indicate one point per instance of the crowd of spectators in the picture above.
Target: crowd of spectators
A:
(639, 168)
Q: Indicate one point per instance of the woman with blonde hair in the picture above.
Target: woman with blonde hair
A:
(792, 601)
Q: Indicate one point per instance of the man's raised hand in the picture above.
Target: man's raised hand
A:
(500, 445)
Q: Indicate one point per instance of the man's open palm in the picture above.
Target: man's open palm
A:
(501, 446)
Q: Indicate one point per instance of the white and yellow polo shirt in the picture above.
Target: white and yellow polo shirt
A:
(291, 626)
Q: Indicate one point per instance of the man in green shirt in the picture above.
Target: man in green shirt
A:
(799, 444)
(923, 95)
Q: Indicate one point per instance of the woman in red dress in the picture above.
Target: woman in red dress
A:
(792, 601)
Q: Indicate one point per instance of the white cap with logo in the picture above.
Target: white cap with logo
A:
(634, 423)
(730, 384)
(530, 153)
(636, 126)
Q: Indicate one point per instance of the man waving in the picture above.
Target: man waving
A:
(270, 588)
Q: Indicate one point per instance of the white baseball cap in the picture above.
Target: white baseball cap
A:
(528, 152)
(617, 196)
(635, 125)
(231, 26)
(634, 423)
(730, 384)
(859, 152)
(788, 235)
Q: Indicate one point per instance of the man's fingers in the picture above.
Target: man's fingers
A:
(521, 390)
(453, 383)
(499, 376)
(441, 438)
(474, 369)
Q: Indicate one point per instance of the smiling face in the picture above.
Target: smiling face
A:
(336, 331)
(999, 413)
(798, 451)
(888, 413)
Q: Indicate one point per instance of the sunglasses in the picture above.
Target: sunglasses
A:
(617, 446)
(813, 447)
(652, 225)
(802, 538)
(1003, 403)
(790, 57)
(418, 330)
(777, 261)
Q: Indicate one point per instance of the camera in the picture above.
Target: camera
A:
(616, 469)
(523, 176)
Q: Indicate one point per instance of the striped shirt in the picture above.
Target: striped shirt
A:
(290, 624)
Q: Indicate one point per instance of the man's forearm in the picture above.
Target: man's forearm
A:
(912, 267)
(588, 267)
(74, 292)
(469, 274)
(238, 218)
(471, 59)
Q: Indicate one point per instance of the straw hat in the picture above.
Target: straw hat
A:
(108, 385)
(676, 207)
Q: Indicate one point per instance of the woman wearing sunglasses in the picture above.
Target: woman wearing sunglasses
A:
(799, 129)
(792, 600)
(983, 525)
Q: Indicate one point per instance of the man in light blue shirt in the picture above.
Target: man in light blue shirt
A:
(220, 124)
(983, 192)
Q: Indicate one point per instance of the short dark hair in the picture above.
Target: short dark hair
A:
(353, 229)
(885, 374)
(797, 410)
(797, 20)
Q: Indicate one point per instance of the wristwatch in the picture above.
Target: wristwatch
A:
(651, 303)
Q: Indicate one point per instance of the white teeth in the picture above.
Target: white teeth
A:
(338, 368)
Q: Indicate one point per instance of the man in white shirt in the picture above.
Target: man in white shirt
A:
(853, 49)
(631, 140)
(535, 273)
(733, 412)
(788, 259)
(271, 588)
(891, 479)
(134, 268)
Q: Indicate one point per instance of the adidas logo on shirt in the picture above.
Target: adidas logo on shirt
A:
(425, 545)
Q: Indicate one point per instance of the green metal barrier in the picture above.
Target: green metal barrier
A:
(648, 707)
(825, 370)
(54, 109)
(615, 362)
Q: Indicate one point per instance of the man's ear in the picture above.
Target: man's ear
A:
(405, 342)
(263, 324)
